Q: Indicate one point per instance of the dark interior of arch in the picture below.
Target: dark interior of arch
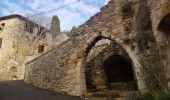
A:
(164, 25)
(118, 69)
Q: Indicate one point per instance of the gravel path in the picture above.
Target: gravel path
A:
(18, 90)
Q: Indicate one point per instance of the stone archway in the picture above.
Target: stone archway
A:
(109, 68)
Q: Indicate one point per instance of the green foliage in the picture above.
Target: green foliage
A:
(73, 32)
(55, 26)
(153, 74)
(134, 96)
(13, 67)
(149, 96)
(66, 32)
(152, 69)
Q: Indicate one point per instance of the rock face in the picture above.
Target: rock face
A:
(123, 31)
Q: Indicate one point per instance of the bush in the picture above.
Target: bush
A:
(149, 96)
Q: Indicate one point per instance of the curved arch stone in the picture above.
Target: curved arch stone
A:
(96, 63)
(131, 55)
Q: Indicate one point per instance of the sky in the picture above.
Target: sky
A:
(73, 15)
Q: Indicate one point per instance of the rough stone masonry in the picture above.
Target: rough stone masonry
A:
(132, 32)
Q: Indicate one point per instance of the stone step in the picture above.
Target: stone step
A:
(130, 86)
(112, 94)
(117, 99)
(105, 98)
(96, 94)
(93, 90)
(96, 98)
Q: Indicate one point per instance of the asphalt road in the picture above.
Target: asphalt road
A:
(18, 90)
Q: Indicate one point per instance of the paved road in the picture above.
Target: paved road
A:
(18, 90)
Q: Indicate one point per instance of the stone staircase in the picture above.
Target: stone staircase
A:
(116, 91)
(107, 95)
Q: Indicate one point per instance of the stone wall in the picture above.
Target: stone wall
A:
(60, 38)
(118, 22)
(159, 10)
(107, 23)
(48, 71)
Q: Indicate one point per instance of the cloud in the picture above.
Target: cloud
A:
(13, 8)
(106, 1)
(73, 15)
(69, 16)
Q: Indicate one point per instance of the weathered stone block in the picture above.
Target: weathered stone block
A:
(71, 65)
(73, 56)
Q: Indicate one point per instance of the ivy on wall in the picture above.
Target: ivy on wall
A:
(150, 59)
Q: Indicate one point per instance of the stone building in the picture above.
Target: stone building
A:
(123, 48)
(20, 40)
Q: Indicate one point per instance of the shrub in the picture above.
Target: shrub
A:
(154, 95)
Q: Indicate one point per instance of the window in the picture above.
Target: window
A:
(29, 27)
(0, 42)
(2, 25)
(40, 48)
(40, 31)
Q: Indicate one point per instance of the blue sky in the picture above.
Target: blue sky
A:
(73, 15)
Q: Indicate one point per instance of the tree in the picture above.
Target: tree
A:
(43, 24)
(74, 31)
(55, 26)
(66, 32)
(41, 20)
